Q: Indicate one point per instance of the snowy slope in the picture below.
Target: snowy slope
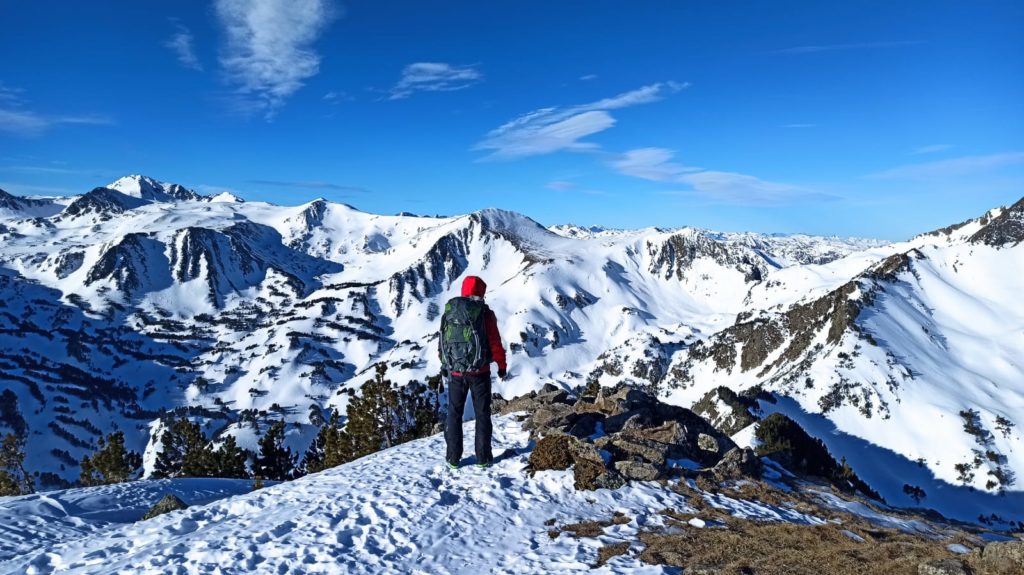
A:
(397, 511)
(919, 355)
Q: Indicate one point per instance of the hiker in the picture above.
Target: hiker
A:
(469, 341)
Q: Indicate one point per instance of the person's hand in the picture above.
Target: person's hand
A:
(502, 373)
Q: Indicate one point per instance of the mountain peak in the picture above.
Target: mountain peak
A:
(147, 188)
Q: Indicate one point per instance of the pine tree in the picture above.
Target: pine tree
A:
(185, 452)
(274, 461)
(111, 464)
(14, 480)
(231, 459)
(326, 450)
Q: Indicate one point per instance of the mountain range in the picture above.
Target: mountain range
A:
(142, 298)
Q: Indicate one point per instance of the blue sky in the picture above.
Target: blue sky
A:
(878, 119)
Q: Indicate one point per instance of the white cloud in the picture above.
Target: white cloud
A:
(434, 77)
(587, 77)
(549, 130)
(23, 122)
(656, 164)
(269, 55)
(561, 185)
(798, 126)
(812, 49)
(956, 167)
(932, 149)
(650, 164)
(183, 46)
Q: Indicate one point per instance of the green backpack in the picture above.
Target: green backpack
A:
(464, 346)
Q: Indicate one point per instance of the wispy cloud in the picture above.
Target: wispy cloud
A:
(434, 77)
(932, 149)
(269, 50)
(587, 77)
(813, 49)
(656, 164)
(561, 185)
(183, 45)
(798, 126)
(549, 130)
(33, 190)
(21, 122)
(310, 185)
(956, 167)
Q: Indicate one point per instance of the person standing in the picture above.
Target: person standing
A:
(469, 342)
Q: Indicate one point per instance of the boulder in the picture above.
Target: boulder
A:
(943, 567)
(623, 447)
(1007, 556)
(169, 503)
(585, 424)
(550, 417)
(637, 470)
(739, 463)
(707, 443)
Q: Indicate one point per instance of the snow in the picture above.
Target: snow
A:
(398, 511)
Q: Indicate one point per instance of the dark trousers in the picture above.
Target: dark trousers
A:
(458, 388)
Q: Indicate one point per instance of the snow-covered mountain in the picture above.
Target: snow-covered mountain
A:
(143, 297)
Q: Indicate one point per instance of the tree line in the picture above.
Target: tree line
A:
(382, 415)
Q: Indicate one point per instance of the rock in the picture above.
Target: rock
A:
(637, 470)
(726, 410)
(622, 447)
(943, 567)
(169, 503)
(1005, 556)
(739, 463)
(671, 433)
(548, 417)
(707, 443)
(553, 451)
(585, 424)
(550, 394)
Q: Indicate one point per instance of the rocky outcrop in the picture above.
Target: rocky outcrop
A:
(169, 503)
(620, 434)
(1004, 556)
(1006, 229)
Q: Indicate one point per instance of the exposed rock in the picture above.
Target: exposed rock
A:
(707, 443)
(943, 567)
(548, 417)
(1007, 556)
(622, 447)
(726, 410)
(169, 503)
(637, 470)
(739, 463)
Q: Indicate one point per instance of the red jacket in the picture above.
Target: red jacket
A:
(473, 286)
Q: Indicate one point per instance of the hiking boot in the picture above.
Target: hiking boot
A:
(452, 466)
(483, 465)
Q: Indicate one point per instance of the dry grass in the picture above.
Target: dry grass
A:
(608, 551)
(787, 549)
